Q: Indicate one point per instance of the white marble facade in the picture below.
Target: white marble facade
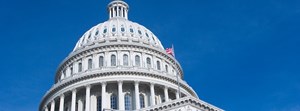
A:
(120, 65)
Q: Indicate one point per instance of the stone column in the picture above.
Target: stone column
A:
(177, 94)
(95, 61)
(118, 59)
(126, 12)
(73, 102)
(85, 64)
(130, 60)
(75, 68)
(87, 97)
(166, 94)
(106, 58)
(114, 12)
(152, 94)
(62, 102)
(103, 100)
(143, 60)
(120, 95)
(137, 95)
(122, 11)
(109, 12)
(153, 65)
(67, 70)
(52, 105)
(80, 105)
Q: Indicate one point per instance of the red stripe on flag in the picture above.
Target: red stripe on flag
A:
(169, 51)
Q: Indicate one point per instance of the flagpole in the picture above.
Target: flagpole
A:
(177, 74)
(173, 50)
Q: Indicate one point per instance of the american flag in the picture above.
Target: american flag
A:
(170, 51)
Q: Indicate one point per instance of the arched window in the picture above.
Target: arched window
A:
(125, 60)
(148, 60)
(114, 29)
(104, 31)
(113, 61)
(113, 101)
(89, 36)
(79, 67)
(99, 103)
(167, 68)
(101, 61)
(153, 39)
(131, 30)
(142, 101)
(158, 65)
(128, 102)
(97, 32)
(71, 70)
(137, 60)
(90, 63)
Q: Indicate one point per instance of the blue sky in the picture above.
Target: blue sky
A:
(240, 55)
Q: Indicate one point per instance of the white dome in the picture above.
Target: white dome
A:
(118, 30)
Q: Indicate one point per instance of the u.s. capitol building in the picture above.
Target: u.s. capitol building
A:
(120, 65)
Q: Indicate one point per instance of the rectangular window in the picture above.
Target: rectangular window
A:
(113, 60)
(90, 64)
(101, 61)
(125, 60)
(79, 67)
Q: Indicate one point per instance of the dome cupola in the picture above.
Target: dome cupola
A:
(118, 9)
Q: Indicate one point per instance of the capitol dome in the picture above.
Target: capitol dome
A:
(119, 65)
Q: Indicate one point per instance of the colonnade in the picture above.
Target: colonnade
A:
(118, 10)
(105, 100)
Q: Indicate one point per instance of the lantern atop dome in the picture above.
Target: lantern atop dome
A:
(118, 9)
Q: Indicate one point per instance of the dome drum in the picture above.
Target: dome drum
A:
(159, 61)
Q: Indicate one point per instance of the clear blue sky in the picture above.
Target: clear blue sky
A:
(240, 55)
